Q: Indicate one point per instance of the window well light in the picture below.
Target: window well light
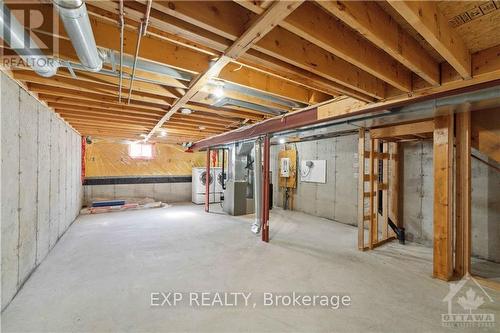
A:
(141, 151)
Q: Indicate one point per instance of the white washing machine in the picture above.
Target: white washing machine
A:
(219, 180)
(199, 180)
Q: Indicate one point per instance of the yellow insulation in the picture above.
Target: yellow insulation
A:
(105, 159)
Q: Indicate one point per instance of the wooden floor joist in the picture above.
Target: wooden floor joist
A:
(273, 15)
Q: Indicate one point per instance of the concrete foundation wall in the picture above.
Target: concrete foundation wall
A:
(337, 199)
(165, 192)
(41, 188)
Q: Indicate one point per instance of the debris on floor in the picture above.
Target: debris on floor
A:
(103, 205)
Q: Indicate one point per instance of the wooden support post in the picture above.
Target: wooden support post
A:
(207, 183)
(371, 239)
(361, 189)
(375, 153)
(385, 193)
(443, 198)
(265, 188)
(394, 183)
(463, 194)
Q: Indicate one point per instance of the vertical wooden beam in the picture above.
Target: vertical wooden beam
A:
(361, 189)
(385, 192)
(463, 194)
(394, 183)
(443, 198)
(207, 182)
(374, 229)
(371, 239)
(265, 188)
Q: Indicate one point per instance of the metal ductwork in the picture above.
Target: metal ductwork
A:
(14, 34)
(248, 105)
(76, 21)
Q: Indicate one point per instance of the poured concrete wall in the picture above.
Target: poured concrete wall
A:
(485, 211)
(165, 192)
(337, 199)
(418, 194)
(41, 189)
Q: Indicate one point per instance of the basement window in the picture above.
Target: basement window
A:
(141, 151)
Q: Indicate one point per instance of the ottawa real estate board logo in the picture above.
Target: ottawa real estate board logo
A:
(465, 299)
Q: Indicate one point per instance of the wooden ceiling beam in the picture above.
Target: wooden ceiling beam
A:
(96, 117)
(73, 97)
(208, 122)
(103, 113)
(279, 43)
(90, 105)
(371, 21)
(316, 26)
(147, 94)
(425, 17)
(60, 81)
(72, 93)
(169, 29)
(402, 130)
(108, 124)
(256, 31)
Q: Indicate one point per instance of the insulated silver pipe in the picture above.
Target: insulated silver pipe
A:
(76, 21)
(13, 33)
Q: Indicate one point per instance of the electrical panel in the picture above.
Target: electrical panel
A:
(285, 167)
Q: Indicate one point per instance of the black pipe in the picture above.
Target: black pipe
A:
(400, 232)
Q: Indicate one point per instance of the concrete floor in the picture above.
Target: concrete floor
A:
(100, 275)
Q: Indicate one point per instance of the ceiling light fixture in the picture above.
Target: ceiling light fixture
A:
(282, 141)
(186, 111)
(219, 92)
